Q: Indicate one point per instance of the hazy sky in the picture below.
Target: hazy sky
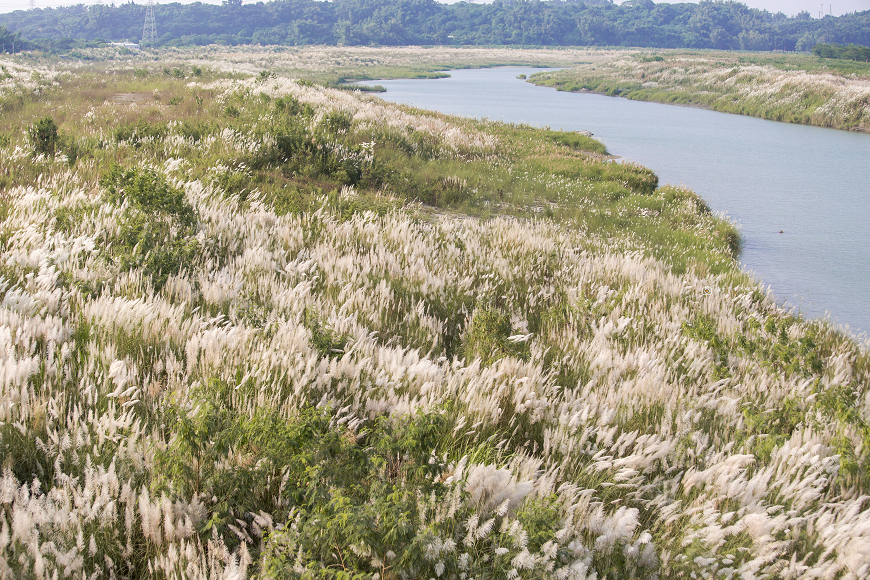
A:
(790, 7)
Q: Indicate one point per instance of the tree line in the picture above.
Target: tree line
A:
(850, 52)
(12, 42)
(708, 24)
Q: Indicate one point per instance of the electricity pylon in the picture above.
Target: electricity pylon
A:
(149, 32)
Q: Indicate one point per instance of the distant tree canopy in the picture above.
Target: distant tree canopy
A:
(850, 52)
(11, 42)
(708, 24)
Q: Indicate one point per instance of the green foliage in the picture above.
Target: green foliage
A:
(489, 335)
(361, 516)
(193, 130)
(156, 228)
(771, 427)
(290, 105)
(325, 340)
(850, 52)
(12, 41)
(336, 487)
(578, 141)
(541, 520)
(47, 139)
(44, 137)
(139, 131)
(149, 192)
(722, 25)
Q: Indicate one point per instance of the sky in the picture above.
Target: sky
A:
(790, 7)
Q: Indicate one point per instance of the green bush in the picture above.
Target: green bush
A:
(331, 486)
(578, 141)
(325, 340)
(488, 338)
(44, 137)
(369, 498)
(136, 132)
(156, 228)
(47, 139)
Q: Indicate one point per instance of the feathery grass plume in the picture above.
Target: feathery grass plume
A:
(355, 381)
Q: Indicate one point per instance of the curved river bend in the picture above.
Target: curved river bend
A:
(809, 182)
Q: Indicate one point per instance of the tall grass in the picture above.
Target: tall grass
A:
(795, 89)
(394, 344)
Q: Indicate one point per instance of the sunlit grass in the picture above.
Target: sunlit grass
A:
(256, 326)
(791, 88)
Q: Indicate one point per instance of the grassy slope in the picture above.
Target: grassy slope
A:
(792, 88)
(423, 345)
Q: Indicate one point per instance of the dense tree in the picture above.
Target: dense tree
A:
(708, 24)
(851, 52)
(11, 42)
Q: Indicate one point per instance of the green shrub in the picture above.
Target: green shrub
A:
(44, 137)
(488, 338)
(136, 132)
(148, 191)
(577, 140)
(333, 487)
(291, 106)
(325, 340)
(158, 225)
(337, 122)
(194, 130)
(368, 498)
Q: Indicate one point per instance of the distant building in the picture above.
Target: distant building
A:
(125, 44)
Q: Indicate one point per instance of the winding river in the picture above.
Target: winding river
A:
(811, 184)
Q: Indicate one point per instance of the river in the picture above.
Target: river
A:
(809, 183)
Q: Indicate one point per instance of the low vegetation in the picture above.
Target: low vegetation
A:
(258, 327)
(851, 52)
(792, 88)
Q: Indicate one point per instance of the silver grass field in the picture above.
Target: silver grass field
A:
(601, 414)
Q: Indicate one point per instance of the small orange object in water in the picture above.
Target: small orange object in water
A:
(780, 231)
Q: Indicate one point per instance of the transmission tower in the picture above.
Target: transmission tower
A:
(149, 32)
(31, 4)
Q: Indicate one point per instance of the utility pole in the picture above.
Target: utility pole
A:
(149, 31)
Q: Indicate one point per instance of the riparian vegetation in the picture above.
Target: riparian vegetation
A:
(792, 88)
(255, 327)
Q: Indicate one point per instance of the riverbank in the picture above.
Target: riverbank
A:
(251, 326)
(329, 65)
(791, 88)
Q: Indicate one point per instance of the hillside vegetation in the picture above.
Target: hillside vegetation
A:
(255, 327)
(791, 88)
(707, 24)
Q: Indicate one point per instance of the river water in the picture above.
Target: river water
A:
(812, 184)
